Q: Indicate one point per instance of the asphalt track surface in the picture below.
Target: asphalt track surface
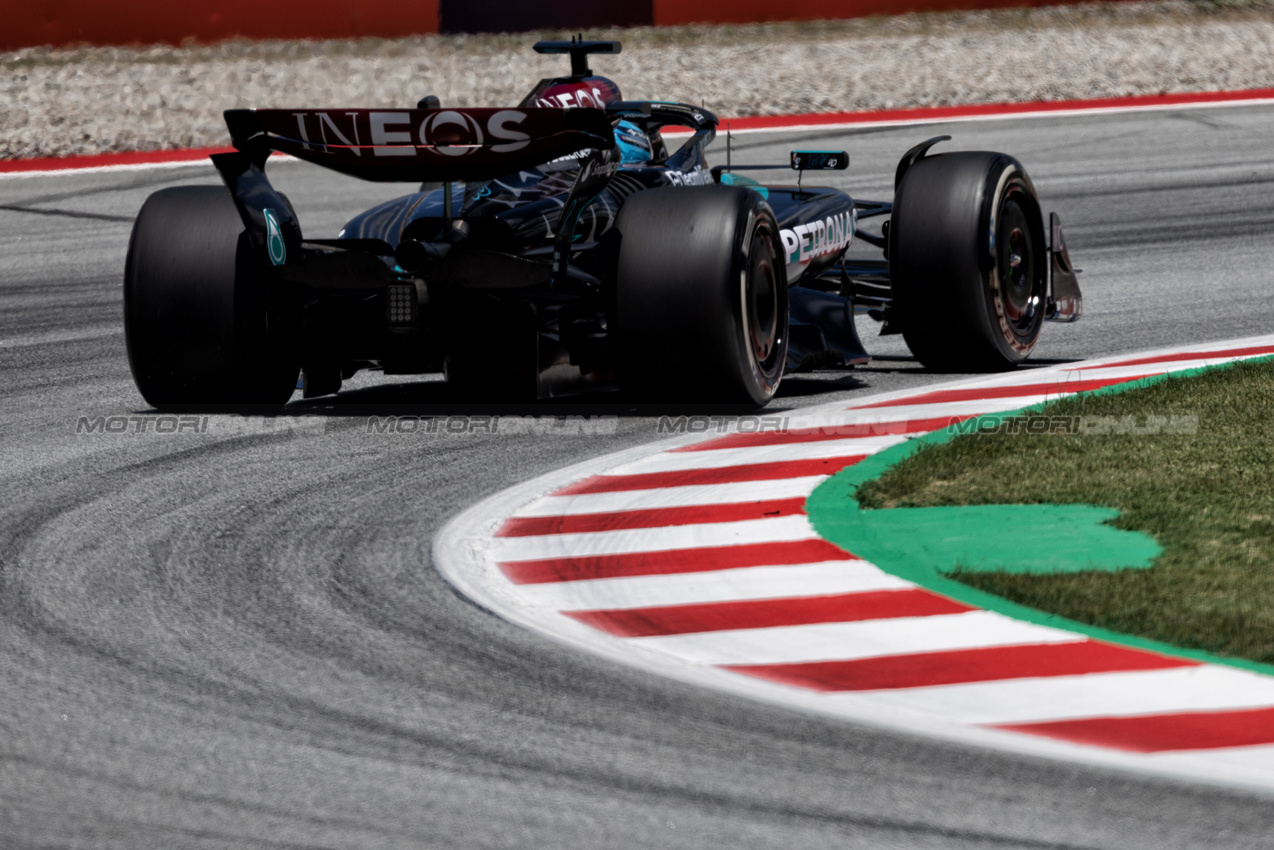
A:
(237, 639)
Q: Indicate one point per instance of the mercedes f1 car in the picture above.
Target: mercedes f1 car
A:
(565, 244)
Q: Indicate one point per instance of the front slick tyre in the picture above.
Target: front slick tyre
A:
(206, 328)
(701, 309)
(968, 262)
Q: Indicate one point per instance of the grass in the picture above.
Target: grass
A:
(1207, 497)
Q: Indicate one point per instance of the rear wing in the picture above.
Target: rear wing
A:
(417, 145)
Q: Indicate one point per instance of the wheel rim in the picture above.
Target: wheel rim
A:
(1020, 286)
(762, 300)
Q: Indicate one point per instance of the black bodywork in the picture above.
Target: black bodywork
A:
(509, 244)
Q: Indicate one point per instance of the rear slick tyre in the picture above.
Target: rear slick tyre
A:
(701, 308)
(968, 262)
(205, 326)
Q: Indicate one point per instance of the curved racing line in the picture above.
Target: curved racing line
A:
(695, 558)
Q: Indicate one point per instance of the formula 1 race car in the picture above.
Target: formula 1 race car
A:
(559, 246)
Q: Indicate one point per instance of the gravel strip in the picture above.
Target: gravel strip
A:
(58, 103)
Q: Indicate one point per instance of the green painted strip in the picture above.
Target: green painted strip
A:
(915, 549)
(1021, 539)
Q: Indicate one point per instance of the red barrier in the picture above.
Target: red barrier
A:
(61, 23)
(671, 12)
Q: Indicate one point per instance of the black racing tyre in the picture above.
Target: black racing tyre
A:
(701, 309)
(205, 326)
(968, 261)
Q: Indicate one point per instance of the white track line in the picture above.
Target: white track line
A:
(1239, 759)
(196, 162)
(1069, 111)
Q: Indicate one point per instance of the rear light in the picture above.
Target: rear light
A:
(402, 308)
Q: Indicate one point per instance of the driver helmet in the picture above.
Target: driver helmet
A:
(633, 143)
